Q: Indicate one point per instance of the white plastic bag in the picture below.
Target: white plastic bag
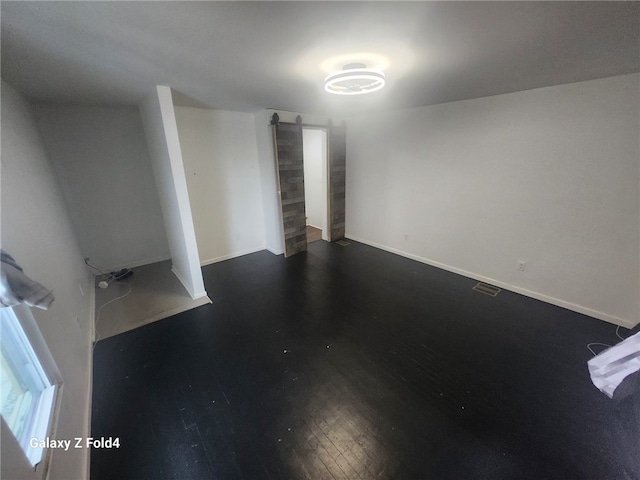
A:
(613, 365)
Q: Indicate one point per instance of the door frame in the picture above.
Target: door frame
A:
(325, 180)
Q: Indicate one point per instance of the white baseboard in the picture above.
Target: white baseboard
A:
(231, 255)
(513, 288)
(274, 251)
(138, 263)
(194, 295)
(201, 294)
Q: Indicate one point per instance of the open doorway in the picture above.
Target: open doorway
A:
(314, 141)
(289, 155)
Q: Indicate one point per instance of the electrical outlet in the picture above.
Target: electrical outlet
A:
(522, 265)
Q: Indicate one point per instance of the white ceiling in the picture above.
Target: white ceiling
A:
(251, 55)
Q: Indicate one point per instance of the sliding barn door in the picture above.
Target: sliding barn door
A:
(288, 142)
(337, 176)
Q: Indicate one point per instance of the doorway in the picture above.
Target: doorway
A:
(288, 143)
(314, 141)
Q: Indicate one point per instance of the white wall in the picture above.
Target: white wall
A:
(100, 157)
(38, 233)
(274, 238)
(314, 143)
(158, 118)
(221, 162)
(549, 176)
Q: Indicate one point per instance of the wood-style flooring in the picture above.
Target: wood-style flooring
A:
(313, 234)
(353, 363)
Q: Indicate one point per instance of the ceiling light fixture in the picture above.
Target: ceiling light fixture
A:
(354, 79)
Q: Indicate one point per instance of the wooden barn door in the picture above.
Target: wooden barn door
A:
(337, 176)
(288, 143)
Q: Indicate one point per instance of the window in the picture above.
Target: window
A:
(28, 381)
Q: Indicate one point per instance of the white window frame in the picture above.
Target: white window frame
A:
(43, 424)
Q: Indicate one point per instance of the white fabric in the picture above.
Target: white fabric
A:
(17, 288)
(613, 365)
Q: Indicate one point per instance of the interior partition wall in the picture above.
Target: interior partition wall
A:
(160, 127)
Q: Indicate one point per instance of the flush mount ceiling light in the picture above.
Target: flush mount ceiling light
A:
(354, 79)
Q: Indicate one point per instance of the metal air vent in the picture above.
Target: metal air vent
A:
(487, 289)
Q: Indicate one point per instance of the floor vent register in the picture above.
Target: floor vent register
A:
(487, 289)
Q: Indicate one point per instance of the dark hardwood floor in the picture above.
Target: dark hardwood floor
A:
(353, 363)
